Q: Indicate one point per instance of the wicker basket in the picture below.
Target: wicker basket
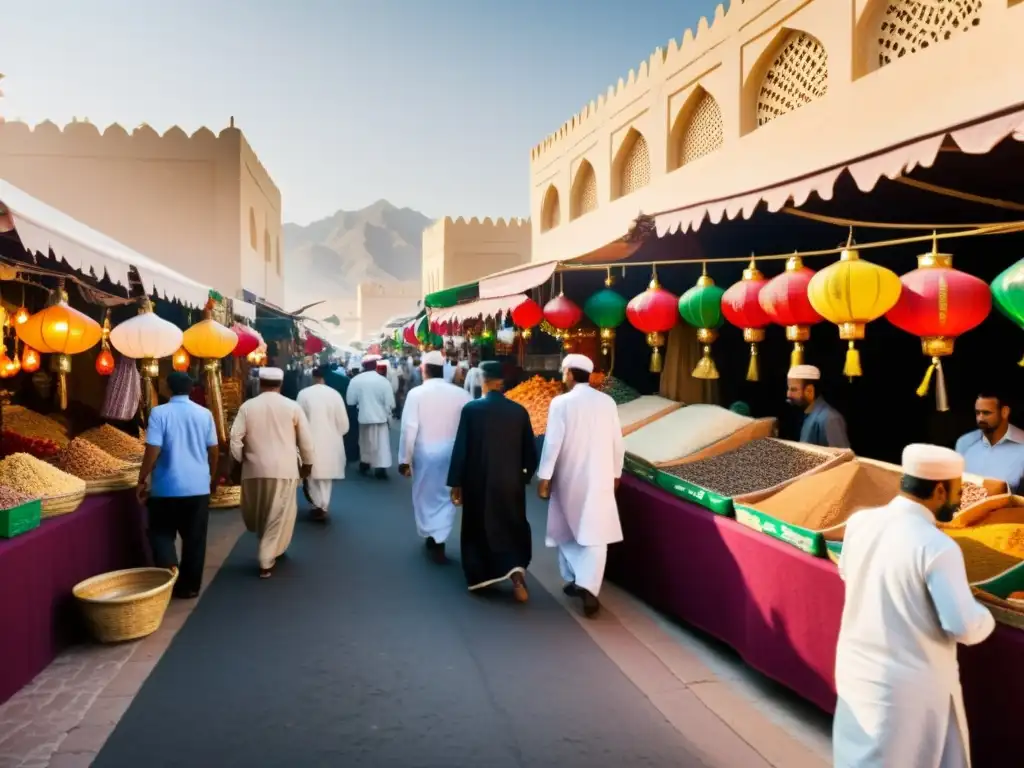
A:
(128, 478)
(65, 504)
(125, 605)
(226, 497)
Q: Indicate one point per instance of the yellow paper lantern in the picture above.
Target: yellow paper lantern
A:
(181, 360)
(60, 330)
(210, 339)
(852, 293)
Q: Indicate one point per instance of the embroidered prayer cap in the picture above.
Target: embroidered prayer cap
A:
(579, 362)
(271, 374)
(932, 462)
(434, 357)
(491, 370)
(804, 373)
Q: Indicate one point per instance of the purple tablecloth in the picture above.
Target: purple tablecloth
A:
(38, 615)
(780, 609)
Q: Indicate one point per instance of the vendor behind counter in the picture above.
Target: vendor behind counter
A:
(996, 448)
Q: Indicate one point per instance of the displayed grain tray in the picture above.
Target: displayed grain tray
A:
(885, 477)
(1010, 579)
(20, 519)
(226, 497)
(65, 504)
(128, 478)
(639, 468)
(125, 605)
(642, 411)
(722, 504)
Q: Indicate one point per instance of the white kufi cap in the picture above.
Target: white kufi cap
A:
(582, 362)
(804, 373)
(932, 462)
(371, 358)
(434, 357)
(271, 374)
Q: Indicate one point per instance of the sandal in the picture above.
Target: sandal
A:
(266, 573)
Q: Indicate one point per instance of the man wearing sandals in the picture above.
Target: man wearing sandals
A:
(272, 441)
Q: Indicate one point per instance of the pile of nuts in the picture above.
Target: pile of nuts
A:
(115, 442)
(27, 474)
(10, 498)
(88, 461)
(971, 494)
(755, 466)
(31, 424)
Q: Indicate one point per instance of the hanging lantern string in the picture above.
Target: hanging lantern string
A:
(839, 221)
(988, 229)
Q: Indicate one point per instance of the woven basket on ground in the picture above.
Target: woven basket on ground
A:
(65, 504)
(125, 605)
(226, 497)
(128, 478)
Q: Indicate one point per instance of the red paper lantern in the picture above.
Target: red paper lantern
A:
(527, 315)
(314, 345)
(409, 335)
(784, 300)
(654, 312)
(562, 313)
(937, 304)
(248, 340)
(742, 307)
(104, 362)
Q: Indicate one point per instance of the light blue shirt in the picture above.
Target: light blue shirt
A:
(1002, 461)
(824, 426)
(184, 432)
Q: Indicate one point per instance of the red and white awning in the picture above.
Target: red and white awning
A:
(479, 308)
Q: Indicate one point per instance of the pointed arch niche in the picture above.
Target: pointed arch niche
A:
(892, 29)
(583, 198)
(796, 75)
(631, 168)
(550, 209)
(697, 131)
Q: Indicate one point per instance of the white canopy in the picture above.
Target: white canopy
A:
(43, 228)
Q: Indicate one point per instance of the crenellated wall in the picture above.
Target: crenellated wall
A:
(457, 251)
(765, 92)
(190, 202)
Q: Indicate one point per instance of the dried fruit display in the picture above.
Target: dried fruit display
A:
(88, 461)
(36, 478)
(31, 424)
(40, 447)
(116, 443)
(535, 395)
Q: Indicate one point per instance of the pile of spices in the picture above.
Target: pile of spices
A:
(27, 474)
(684, 431)
(755, 466)
(535, 395)
(88, 461)
(828, 498)
(616, 389)
(40, 447)
(993, 544)
(971, 494)
(115, 442)
(31, 424)
(10, 498)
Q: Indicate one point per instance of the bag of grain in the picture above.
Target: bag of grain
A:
(642, 411)
(683, 432)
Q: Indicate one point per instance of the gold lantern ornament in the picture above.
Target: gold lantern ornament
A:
(212, 341)
(60, 330)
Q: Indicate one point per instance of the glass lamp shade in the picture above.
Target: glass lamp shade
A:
(60, 330)
(146, 336)
(21, 316)
(30, 360)
(181, 360)
(209, 339)
(105, 362)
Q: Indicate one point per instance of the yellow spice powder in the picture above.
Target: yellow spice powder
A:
(992, 545)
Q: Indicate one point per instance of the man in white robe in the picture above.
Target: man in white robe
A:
(580, 468)
(429, 423)
(328, 421)
(271, 439)
(474, 379)
(908, 604)
(371, 393)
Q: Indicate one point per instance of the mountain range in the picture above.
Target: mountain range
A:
(328, 258)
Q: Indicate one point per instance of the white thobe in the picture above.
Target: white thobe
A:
(270, 437)
(371, 393)
(475, 378)
(328, 422)
(429, 424)
(908, 604)
(582, 457)
(449, 371)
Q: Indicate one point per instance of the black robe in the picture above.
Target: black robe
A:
(493, 461)
(338, 381)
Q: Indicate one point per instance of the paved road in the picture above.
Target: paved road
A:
(359, 652)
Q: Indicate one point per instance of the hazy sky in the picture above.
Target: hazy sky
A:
(433, 104)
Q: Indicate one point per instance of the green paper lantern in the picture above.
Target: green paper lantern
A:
(1008, 295)
(607, 310)
(701, 307)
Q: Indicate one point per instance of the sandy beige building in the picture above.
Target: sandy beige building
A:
(201, 204)
(769, 102)
(457, 251)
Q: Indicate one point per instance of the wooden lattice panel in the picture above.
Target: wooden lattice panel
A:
(636, 168)
(703, 134)
(797, 76)
(552, 213)
(909, 26)
(586, 190)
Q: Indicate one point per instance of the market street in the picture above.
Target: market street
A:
(360, 652)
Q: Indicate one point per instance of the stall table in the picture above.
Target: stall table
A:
(38, 615)
(780, 608)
